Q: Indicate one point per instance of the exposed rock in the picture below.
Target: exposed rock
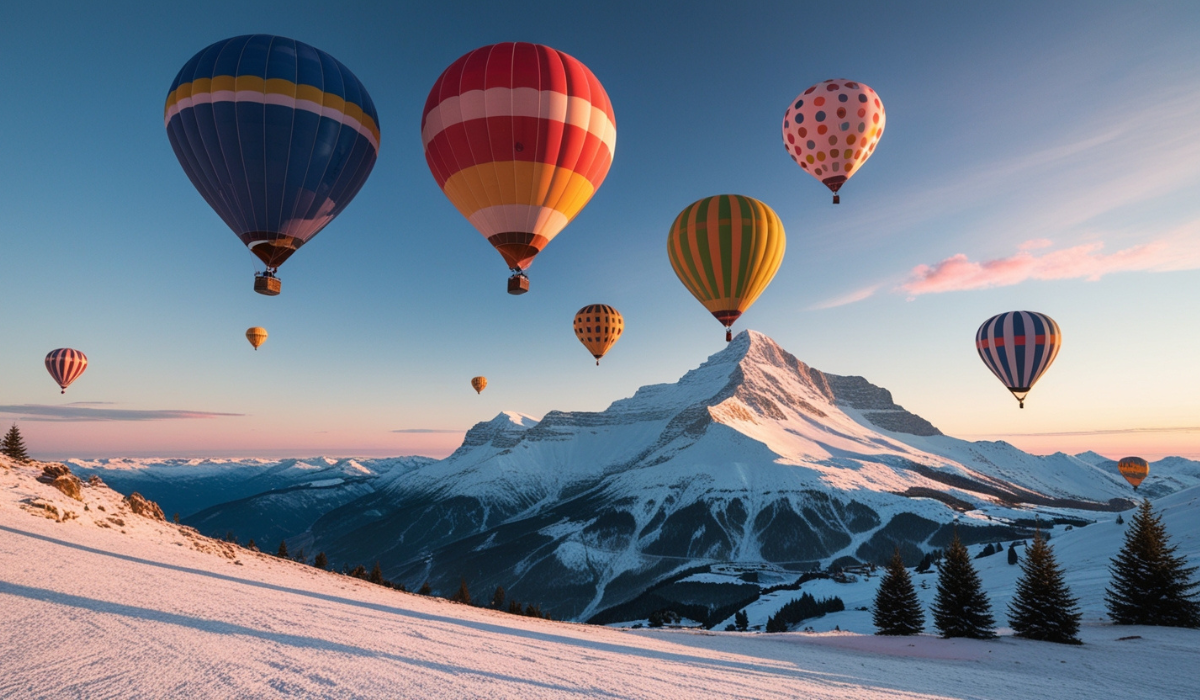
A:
(95, 480)
(144, 507)
(50, 472)
(42, 507)
(70, 485)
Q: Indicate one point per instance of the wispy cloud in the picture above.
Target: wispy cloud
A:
(1113, 431)
(848, 298)
(80, 413)
(427, 430)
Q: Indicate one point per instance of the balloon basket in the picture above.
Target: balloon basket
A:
(268, 286)
(517, 284)
(837, 199)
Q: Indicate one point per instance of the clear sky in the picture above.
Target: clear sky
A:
(1041, 156)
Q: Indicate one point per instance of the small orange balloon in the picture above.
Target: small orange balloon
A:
(257, 336)
(479, 383)
(1135, 470)
(599, 327)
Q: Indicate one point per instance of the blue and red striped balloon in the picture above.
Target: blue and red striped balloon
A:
(65, 365)
(276, 135)
(1018, 346)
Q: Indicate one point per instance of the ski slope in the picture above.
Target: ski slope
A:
(93, 607)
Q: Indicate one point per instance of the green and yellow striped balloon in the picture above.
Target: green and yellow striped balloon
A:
(726, 250)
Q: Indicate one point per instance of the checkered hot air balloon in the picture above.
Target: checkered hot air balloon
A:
(832, 128)
(1018, 346)
(277, 136)
(599, 327)
(65, 365)
(726, 250)
(518, 137)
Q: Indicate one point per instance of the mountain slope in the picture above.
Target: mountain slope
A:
(752, 457)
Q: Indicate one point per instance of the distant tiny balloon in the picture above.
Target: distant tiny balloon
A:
(1135, 470)
(599, 327)
(1018, 347)
(479, 383)
(65, 365)
(257, 336)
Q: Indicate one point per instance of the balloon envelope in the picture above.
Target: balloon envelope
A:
(277, 136)
(832, 128)
(519, 137)
(1134, 469)
(479, 384)
(256, 335)
(599, 327)
(726, 249)
(1018, 347)
(65, 365)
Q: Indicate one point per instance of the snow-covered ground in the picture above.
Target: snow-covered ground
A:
(105, 603)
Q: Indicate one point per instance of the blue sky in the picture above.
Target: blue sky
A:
(1062, 141)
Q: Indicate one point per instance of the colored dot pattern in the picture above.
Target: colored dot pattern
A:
(859, 116)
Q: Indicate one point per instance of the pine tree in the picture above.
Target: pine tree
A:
(960, 607)
(13, 445)
(462, 595)
(282, 553)
(322, 561)
(251, 545)
(498, 599)
(1012, 554)
(514, 607)
(1042, 607)
(376, 576)
(1150, 584)
(426, 589)
(897, 610)
(741, 621)
(1120, 520)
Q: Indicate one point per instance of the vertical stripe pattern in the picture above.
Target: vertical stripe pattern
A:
(726, 250)
(599, 327)
(65, 365)
(1018, 347)
(479, 384)
(257, 335)
(518, 137)
(276, 135)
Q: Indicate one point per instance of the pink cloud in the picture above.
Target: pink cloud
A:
(1087, 261)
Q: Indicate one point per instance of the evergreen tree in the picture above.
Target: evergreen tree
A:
(498, 599)
(1150, 584)
(462, 595)
(960, 607)
(13, 445)
(986, 552)
(300, 557)
(741, 621)
(425, 589)
(376, 576)
(322, 561)
(251, 545)
(1120, 520)
(282, 553)
(514, 607)
(359, 571)
(1012, 554)
(897, 610)
(1042, 607)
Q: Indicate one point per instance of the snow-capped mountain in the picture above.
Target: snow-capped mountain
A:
(753, 457)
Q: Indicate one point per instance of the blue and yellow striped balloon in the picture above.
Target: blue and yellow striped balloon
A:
(276, 135)
(1018, 347)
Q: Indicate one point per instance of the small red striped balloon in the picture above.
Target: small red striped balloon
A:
(65, 365)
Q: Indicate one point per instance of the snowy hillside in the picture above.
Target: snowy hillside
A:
(753, 458)
(142, 608)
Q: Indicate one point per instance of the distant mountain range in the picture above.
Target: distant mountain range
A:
(753, 459)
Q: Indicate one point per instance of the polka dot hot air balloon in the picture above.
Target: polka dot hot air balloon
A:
(832, 128)
(1135, 470)
(65, 365)
(277, 136)
(726, 250)
(1018, 347)
(518, 137)
(599, 327)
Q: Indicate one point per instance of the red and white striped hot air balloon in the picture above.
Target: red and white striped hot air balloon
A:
(65, 365)
(519, 137)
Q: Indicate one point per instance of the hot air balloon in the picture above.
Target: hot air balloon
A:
(599, 327)
(519, 137)
(277, 136)
(1134, 469)
(479, 384)
(65, 365)
(1018, 347)
(726, 249)
(832, 128)
(257, 336)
